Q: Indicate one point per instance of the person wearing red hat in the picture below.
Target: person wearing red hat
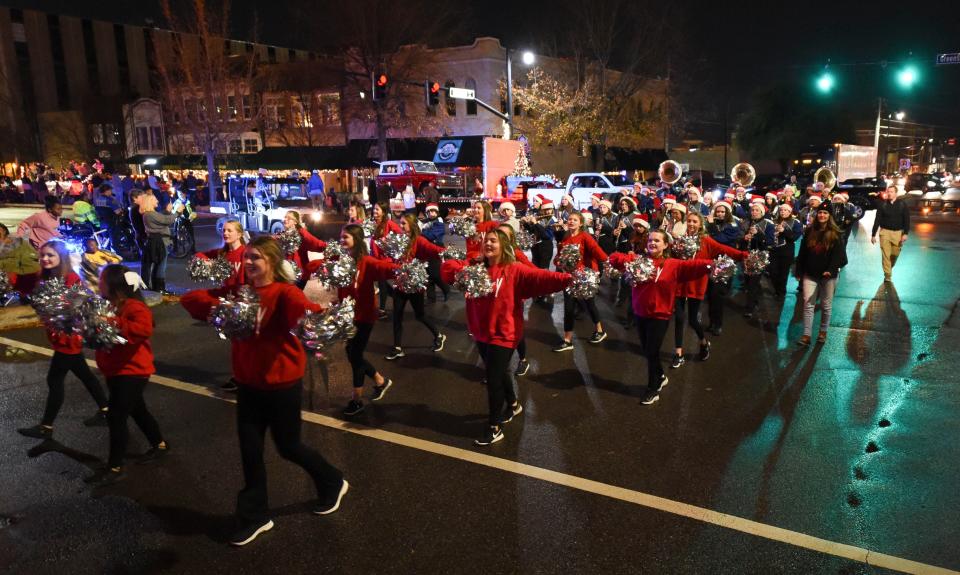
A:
(758, 236)
(845, 214)
(694, 202)
(725, 229)
(786, 231)
(809, 211)
(433, 229)
(604, 223)
(543, 226)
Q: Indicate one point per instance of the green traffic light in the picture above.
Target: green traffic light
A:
(826, 82)
(908, 76)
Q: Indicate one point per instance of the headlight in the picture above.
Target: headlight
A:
(316, 216)
(931, 184)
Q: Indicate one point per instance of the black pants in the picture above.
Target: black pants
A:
(541, 254)
(686, 308)
(569, 304)
(435, 281)
(278, 410)
(356, 346)
(522, 348)
(652, 333)
(60, 366)
(126, 400)
(153, 263)
(499, 383)
(716, 298)
(754, 289)
(400, 300)
(780, 265)
(384, 291)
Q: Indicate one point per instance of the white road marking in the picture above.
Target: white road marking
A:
(681, 509)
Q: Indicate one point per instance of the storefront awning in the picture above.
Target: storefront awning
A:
(300, 157)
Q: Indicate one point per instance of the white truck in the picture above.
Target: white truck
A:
(582, 186)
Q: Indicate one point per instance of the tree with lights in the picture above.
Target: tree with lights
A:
(521, 166)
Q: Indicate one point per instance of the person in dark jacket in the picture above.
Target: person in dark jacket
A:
(758, 236)
(723, 228)
(786, 231)
(890, 228)
(433, 229)
(818, 266)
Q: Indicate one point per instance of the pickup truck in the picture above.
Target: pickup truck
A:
(398, 174)
(582, 186)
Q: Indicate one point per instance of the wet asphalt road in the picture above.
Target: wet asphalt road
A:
(763, 431)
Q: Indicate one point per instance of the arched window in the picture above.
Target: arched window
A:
(471, 84)
(451, 103)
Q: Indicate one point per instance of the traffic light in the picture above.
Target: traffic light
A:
(380, 81)
(433, 93)
(826, 82)
(908, 76)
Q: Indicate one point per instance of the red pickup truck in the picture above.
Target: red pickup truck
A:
(398, 174)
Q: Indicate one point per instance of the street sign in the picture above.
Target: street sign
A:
(948, 58)
(461, 93)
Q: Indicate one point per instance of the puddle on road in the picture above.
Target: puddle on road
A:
(10, 354)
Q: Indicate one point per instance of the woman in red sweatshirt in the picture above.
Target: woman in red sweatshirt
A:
(268, 367)
(67, 351)
(496, 321)
(308, 243)
(591, 255)
(385, 225)
(523, 366)
(482, 213)
(690, 294)
(128, 368)
(369, 271)
(422, 249)
(232, 251)
(653, 303)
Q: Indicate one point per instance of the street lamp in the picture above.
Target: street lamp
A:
(528, 59)
(900, 116)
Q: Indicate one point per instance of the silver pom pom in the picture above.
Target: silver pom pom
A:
(289, 241)
(463, 226)
(685, 247)
(215, 271)
(334, 250)
(525, 240)
(474, 281)
(411, 277)
(640, 270)
(394, 245)
(316, 331)
(755, 262)
(220, 270)
(5, 285)
(723, 269)
(585, 284)
(295, 270)
(369, 227)
(569, 258)
(53, 303)
(454, 253)
(612, 273)
(337, 273)
(94, 321)
(235, 317)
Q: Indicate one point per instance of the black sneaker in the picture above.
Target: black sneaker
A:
(492, 435)
(105, 476)
(664, 380)
(705, 351)
(397, 353)
(438, 342)
(99, 419)
(353, 408)
(250, 532)
(565, 346)
(650, 397)
(598, 336)
(678, 361)
(382, 314)
(154, 453)
(380, 390)
(229, 386)
(329, 507)
(523, 366)
(513, 411)
(37, 431)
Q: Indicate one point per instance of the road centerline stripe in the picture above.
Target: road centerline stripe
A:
(647, 500)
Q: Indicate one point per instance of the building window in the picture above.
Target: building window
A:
(236, 147)
(232, 108)
(156, 138)
(251, 146)
(143, 141)
(451, 103)
(247, 103)
(272, 54)
(96, 133)
(471, 84)
(328, 112)
(111, 134)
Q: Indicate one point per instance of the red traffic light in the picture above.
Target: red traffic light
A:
(435, 88)
(381, 80)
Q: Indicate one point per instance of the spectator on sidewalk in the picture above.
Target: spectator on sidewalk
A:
(43, 226)
(315, 190)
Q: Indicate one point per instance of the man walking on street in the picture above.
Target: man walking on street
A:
(893, 224)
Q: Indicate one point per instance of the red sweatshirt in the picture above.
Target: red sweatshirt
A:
(655, 299)
(369, 271)
(272, 358)
(709, 249)
(63, 342)
(591, 254)
(497, 319)
(375, 250)
(522, 258)
(308, 243)
(475, 245)
(425, 250)
(135, 357)
(235, 257)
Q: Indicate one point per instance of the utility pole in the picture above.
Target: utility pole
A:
(508, 123)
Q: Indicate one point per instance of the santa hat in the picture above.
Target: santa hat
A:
(629, 200)
(740, 189)
(814, 197)
(569, 199)
(786, 205)
(756, 200)
(598, 196)
(669, 199)
(725, 203)
(608, 203)
(730, 196)
(433, 207)
(641, 219)
(546, 203)
(507, 205)
(587, 215)
(682, 208)
(840, 197)
(693, 190)
(537, 201)
(770, 195)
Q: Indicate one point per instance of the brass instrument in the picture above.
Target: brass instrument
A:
(743, 174)
(826, 177)
(670, 172)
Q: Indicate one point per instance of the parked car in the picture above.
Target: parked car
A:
(921, 183)
(398, 174)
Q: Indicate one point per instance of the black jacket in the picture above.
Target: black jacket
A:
(814, 263)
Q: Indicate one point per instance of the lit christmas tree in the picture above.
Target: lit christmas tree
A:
(521, 167)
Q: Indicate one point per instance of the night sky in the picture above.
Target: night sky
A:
(723, 49)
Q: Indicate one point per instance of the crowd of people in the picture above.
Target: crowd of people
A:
(803, 234)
